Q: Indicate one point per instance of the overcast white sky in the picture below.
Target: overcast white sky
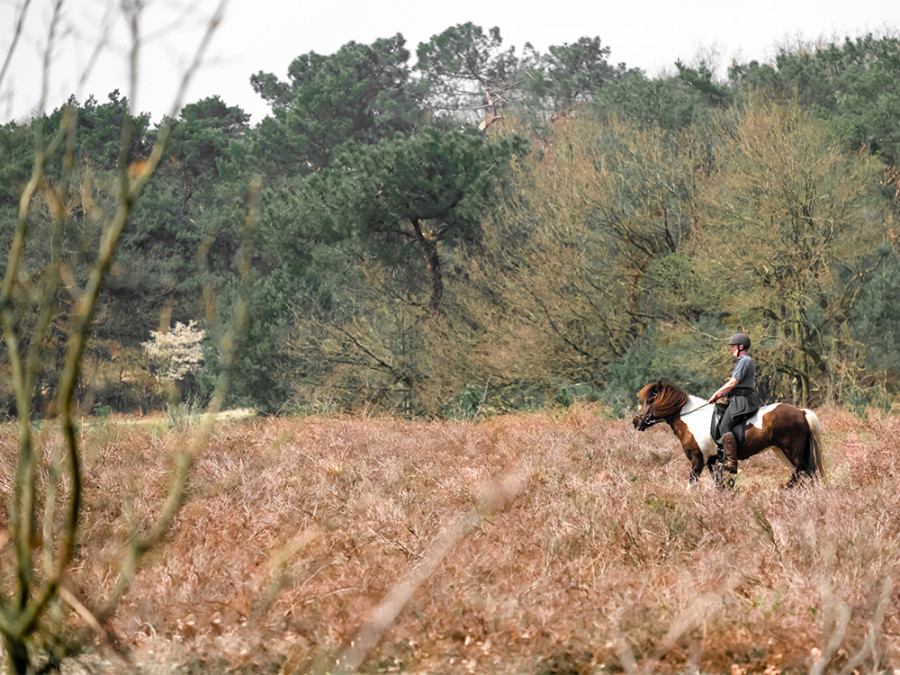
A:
(266, 35)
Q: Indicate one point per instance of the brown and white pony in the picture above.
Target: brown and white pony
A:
(793, 433)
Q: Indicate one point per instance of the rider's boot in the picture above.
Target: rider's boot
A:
(731, 458)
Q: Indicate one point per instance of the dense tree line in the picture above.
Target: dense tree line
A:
(477, 229)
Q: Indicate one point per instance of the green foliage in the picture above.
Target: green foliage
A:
(850, 85)
(466, 69)
(679, 358)
(426, 191)
(875, 322)
(574, 73)
(665, 102)
(16, 156)
(361, 94)
(262, 377)
(469, 403)
(407, 260)
(700, 81)
(582, 392)
(100, 131)
(860, 400)
(200, 141)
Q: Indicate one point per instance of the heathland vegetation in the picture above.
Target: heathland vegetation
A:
(531, 543)
(443, 276)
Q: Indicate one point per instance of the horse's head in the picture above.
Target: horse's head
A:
(646, 416)
(660, 402)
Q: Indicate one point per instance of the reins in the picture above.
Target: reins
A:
(695, 409)
(658, 420)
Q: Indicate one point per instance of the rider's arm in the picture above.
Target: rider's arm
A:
(724, 389)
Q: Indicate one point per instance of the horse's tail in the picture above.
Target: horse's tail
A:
(812, 458)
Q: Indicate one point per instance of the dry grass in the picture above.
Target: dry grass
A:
(296, 530)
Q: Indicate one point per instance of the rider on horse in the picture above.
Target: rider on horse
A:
(735, 400)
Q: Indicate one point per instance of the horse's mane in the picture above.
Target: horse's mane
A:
(666, 399)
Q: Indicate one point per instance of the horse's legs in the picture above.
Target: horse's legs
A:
(724, 479)
(696, 467)
(794, 451)
(718, 472)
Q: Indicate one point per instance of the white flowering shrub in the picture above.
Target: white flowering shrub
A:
(176, 353)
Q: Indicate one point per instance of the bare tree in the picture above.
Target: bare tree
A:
(29, 305)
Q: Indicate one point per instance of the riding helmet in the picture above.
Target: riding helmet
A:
(740, 339)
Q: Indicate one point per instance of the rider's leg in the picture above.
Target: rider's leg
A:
(729, 443)
(731, 458)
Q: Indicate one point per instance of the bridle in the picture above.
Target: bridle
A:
(648, 420)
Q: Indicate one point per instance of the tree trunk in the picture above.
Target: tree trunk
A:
(436, 303)
(801, 336)
(433, 263)
(16, 654)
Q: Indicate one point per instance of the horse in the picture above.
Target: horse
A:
(793, 433)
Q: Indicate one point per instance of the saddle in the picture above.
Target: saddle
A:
(739, 429)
